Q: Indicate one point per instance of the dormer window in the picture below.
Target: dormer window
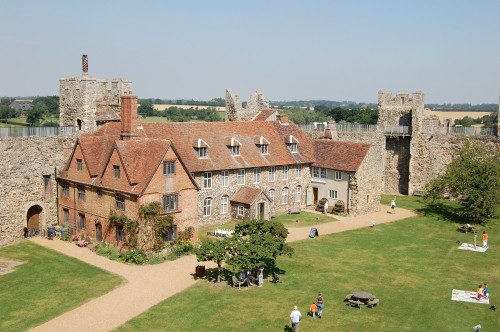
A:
(201, 148)
(292, 144)
(263, 144)
(234, 146)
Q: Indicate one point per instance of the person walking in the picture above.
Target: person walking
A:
(393, 205)
(325, 211)
(295, 318)
(313, 309)
(485, 239)
(261, 276)
(319, 303)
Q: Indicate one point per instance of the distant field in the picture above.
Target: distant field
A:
(162, 107)
(455, 115)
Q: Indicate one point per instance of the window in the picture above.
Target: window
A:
(224, 203)
(293, 147)
(241, 176)
(170, 234)
(298, 173)
(202, 153)
(272, 174)
(99, 193)
(81, 221)
(322, 173)
(79, 165)
(338, 175)
(298, 194)
(65, 189)
(271, 196)
(66, 216)
(315, 172)
(207, 207)
(170, 202)
(241, 210)
(116, 172)
(235, 150)
(81, 192)
(256, 175)
(119, 233)
(285, 172)
(46, 185)
(264, 149)
(319, 174)
(207, 180)
(225, 178)
(168, 167)
(120, 202)
(284, 196)
(332, 194)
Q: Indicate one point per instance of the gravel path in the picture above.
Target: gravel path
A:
(146, 286)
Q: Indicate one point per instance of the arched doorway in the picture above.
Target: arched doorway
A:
(33, 218)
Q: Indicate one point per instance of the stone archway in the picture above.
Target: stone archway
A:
(33, 217)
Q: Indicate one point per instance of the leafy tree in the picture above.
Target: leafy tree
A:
(473, 178)
(6, 112)
(34, 115)
(146, 108)
(217, 251)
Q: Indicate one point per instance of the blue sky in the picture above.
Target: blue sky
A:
(289, 50)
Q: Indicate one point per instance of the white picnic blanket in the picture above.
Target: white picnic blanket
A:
(468, 246)
(468, 296)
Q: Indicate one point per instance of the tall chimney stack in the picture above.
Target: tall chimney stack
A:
(85, 65)
(129, 117)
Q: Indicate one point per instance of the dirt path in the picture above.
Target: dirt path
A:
(145, 286)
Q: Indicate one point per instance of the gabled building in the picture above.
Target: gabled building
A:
(120, 173)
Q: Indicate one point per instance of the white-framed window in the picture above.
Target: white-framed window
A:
(120, 202)
(169, 234)
(116, 171)
(293, 147)
(170, 202)
(241, 210)
(264, 148)
(202, 153)
(338, 175)
(332, 194)
(271, 196)
(241, 176)
(79, 165)
(256, 175)
(207, 180)
(298, 194)
(284, 196)
(322, 173)
(168, 167)
(225, 178)
(224, 204)
(285, 172)
(315, 171)
(272, 174)
(235, 150)
(207, 207)
(298, 171)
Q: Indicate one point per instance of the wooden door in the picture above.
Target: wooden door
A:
(98, 232)
(33, 217)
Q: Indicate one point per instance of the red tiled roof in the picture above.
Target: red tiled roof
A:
(342, 156)
(246, 195)
(264, 115)
(219, 157)
(96, 151)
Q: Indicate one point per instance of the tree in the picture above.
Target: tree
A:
(217, 251)
(473, 178)
(34, 115)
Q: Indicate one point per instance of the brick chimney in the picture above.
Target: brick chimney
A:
(128, 117)
(283, 118)
(85, 65)
(331, 131)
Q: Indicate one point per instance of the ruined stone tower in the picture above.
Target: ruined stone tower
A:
(85, 101)
(235, 111)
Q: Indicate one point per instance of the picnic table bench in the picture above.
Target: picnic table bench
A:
(468, 228)
(236, 282)
(373, 303)
(355, 303)
(294, 210)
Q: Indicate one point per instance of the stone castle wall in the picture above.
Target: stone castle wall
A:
(236, 112)
(24, 163)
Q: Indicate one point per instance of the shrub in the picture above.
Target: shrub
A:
(135, 256)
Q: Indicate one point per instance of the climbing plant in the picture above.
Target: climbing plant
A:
(128, 224)
(150, 213)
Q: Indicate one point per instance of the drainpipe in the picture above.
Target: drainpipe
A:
(348, 198)
(57, 194)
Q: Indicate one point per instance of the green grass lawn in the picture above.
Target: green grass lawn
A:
(410, 265)
(47, 285)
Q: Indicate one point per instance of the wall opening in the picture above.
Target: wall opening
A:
(33, 218)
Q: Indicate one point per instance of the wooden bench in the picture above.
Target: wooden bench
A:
(236, 282)
(419, 193)
(348, 297)
(465, 229)
(294, 210)
(373, 303)
(354, 303)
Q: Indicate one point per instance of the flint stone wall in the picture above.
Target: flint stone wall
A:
(23, 165)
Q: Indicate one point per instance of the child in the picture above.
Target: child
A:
(313, 309)
(475, 241)
(393, 205)
(485, 290)
(480, 292)
(485, 239)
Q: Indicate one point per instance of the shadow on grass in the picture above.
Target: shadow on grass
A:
(226, 275)
(287, 328)
(445, 212)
